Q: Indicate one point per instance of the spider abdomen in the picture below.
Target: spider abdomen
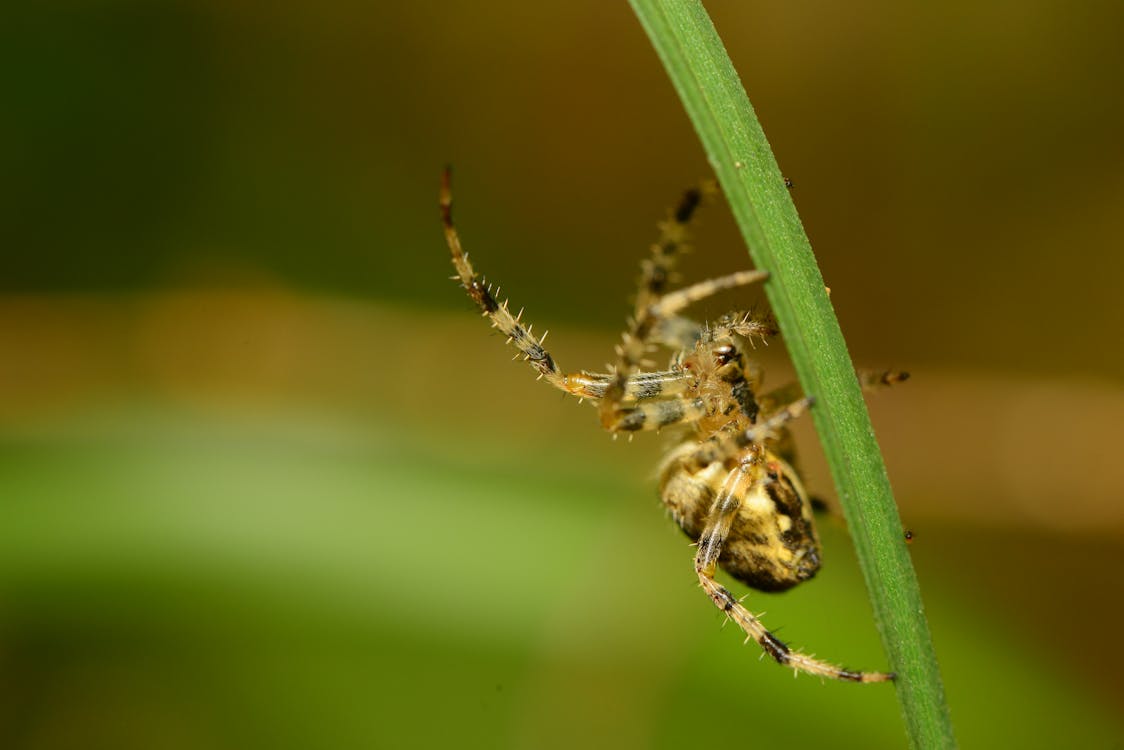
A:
(772, 544)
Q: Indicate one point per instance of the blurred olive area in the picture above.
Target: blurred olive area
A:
(268, 480)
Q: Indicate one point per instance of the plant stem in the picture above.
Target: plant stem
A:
(700, 69)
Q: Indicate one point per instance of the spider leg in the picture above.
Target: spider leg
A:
(640, 386)
(657, 271)
(581, 384)
(651, 400)
(497, 312)
(673, 302)
(653, 415)
(785, 394)
(723, 512)
(869, 380)
(873, 380)
(748, 325)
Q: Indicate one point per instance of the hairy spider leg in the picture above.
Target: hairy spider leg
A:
(678, 333)
(747, 325)
(869, 380)
(657, 270)
(581, 384)
(673, 302)
(481, 293)
(740, 482)
(654, 415)
(640, 386)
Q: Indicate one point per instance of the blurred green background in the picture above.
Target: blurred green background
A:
(266, 480)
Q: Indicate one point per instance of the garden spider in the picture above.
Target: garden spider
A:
(730, 484)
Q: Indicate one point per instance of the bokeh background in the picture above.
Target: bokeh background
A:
(266, 480)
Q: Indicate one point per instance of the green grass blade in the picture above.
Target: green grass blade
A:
(700, 69)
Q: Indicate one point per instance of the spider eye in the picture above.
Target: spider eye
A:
(725, 353)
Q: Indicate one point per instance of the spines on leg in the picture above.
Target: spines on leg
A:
(714, 536)
(748, 325)
(775, 647)
(657, 270)
(481, 293)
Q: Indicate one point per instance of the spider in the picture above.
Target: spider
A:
(730, 483)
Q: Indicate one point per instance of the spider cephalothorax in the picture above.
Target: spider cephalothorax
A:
(730, 483)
